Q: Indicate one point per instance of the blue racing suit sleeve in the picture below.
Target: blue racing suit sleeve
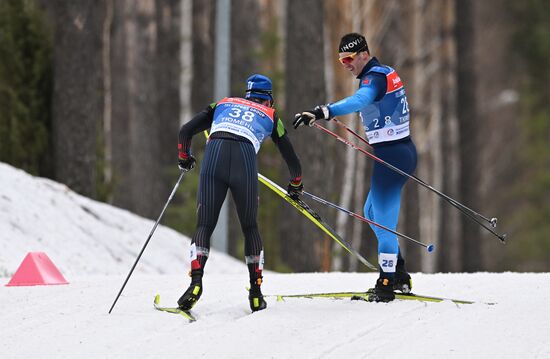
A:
(373, 87)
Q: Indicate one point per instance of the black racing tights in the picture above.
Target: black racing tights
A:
(229, 164)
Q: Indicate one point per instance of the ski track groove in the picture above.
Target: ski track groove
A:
(210, 319)
(328, 353)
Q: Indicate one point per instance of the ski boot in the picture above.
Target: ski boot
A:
(255, 296)
(383, 291)
(193, 293)
(402, 280)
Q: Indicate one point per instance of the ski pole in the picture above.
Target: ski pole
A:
(315, 218)
(303, 208)
(492, 221)
(429, 247)
(502, 237)
(148, 239)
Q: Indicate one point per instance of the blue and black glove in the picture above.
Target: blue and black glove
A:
(308, 117)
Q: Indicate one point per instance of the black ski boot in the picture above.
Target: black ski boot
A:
(383, 291)
(193, 293)
(402, 281)
(255, 296)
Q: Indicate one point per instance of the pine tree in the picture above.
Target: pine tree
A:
(25, 87)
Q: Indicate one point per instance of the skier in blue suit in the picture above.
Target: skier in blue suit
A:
(382, 105)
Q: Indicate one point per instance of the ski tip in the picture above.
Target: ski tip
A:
(157, 299)
(430, 248)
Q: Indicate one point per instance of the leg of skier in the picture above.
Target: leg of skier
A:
(382, 206)
(212, 191)
(244, 188)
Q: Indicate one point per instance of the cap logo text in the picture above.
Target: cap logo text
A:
(351, 44)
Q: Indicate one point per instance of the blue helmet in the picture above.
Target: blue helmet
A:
(259, 86)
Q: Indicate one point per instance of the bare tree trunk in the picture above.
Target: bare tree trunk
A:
(136, 131)
(122, 196)
(168, 71)
(270, 52)
(449, 257)
(435, 128)
(305, 42)
(107, 96)
(499, 113)
(186, 60)
(430, 167)
(421, 112)
(77, 98)
(203, 54)
(246, 37)
(470, 129)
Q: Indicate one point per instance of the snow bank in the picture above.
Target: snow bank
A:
(82, 236)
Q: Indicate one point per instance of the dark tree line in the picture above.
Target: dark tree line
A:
(115, 98)
(91, 94)
(25, 87)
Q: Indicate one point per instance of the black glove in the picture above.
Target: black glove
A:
(308, 117)
(186, 162)
(295, 190)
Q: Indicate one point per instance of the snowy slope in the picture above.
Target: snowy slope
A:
(94, 245)
(72, 321)
(82, 236)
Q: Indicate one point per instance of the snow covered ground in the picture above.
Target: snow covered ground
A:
(85, 236)
(94, 245)
(71, 321)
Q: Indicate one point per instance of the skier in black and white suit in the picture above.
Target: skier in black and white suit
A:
(238, 128)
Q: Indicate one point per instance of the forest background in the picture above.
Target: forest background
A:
(93, 92)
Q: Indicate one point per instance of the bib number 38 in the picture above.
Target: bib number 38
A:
(247, 116)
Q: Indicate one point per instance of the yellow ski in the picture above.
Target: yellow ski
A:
(187, 314)
(303, 208)
(365, 296)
